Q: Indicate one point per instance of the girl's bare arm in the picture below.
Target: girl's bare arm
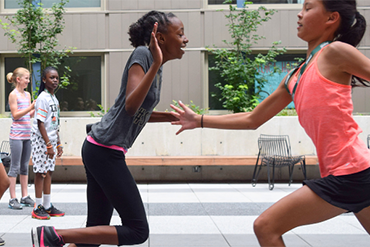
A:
(268, 108)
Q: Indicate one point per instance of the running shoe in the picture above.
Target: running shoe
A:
(2, 242)
(27, 202)
(46, 236)
(14, 204)
(54, 212)
(40, 213)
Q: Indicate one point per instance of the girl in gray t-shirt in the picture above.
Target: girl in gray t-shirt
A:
(158, 38)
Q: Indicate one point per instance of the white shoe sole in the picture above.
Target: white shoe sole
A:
(35, 239)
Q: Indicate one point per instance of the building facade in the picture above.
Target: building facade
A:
(98, 29)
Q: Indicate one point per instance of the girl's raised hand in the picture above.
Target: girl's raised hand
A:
(154, 46)
(187, 118)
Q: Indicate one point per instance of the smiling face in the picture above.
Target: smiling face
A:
(312, 20)
(174, 40)
(23, 80)
(51, 80)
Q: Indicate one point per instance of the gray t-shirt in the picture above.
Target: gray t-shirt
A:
(117, 127)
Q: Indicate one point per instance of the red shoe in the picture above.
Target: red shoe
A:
(40, 213)
(54, 212)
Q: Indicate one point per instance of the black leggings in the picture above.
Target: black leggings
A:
(111, 185)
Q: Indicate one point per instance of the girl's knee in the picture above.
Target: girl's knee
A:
(262, 226)
(258, 225)
(142, 233)
(134, 234)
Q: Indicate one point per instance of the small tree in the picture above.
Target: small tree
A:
(239, 68)
(35, 33)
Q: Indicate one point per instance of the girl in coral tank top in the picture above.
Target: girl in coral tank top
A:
(321, 90)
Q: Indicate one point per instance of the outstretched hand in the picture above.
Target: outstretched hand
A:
(186, 117)
(154, 46)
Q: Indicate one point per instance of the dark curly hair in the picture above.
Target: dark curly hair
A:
(141, 30)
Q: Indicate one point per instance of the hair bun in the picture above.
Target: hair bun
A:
(9, 77)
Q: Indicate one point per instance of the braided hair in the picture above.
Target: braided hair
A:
(141, 30)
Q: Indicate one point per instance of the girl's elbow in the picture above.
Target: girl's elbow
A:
(253, 125)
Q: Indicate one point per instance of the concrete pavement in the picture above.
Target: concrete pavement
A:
(189, 215)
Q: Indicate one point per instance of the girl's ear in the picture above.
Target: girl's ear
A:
(333, 18)
(160, 37)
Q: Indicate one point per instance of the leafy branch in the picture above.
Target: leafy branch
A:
(240, 69)
(35, 30)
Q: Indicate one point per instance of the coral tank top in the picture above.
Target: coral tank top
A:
(324, 110)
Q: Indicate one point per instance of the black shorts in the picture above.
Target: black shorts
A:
(349, 192)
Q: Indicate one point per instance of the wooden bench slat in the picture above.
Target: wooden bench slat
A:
(180, 160)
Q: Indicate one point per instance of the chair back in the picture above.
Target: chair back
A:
(5, 153)
(274, 145)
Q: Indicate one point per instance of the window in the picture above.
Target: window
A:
(84, 92)
(219, 1)
(276, 1)
(241, 2)
(283, 62)
(12, 4)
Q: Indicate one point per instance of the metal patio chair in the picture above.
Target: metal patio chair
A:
(275, 152)
(5, 153)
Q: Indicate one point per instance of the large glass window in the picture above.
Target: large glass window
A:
(257, 1)
(219, 1)
(84, 91)
(13, 4)
(284, 62)
(276, 1)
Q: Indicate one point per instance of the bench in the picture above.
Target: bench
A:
(159, 169)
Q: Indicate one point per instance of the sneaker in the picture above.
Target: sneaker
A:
(2, 242)
(54, 212)
(46, 236)
(14, 204)
(27, 202)
(40, 213)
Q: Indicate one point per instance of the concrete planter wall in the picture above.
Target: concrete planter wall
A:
(159, 139)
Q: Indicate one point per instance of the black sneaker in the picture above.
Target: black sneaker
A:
(2, 242)
(46, 236)
(54, 212)
(40, 213)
